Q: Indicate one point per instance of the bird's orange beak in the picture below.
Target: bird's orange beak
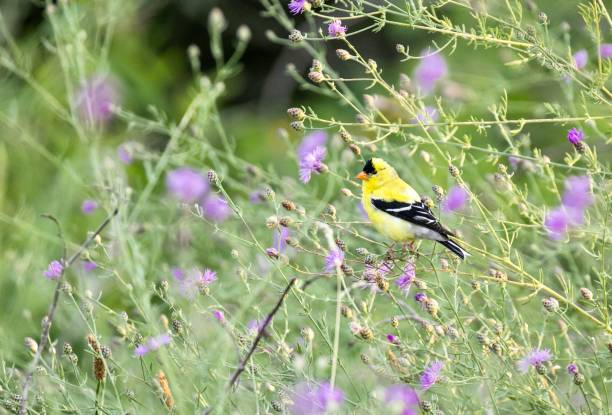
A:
(362, 175)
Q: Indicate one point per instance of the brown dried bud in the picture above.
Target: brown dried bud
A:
(432, 306)
(288, 205)
(550, 304)
(343, 55)
(93, 343)
(285, 221)
(346, 311)
(164, 387)
(581, 147)
(366, 334)
(346, 136)
(341, 244)
(454, 171)
(355, 149)
(586, 294)
(99, 369)
(381, 283)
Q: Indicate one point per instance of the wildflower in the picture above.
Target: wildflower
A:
(273, 253)
(279, 241)
(431, 69)
(402, 399)
(334, 259)
(219, 316)
(95, 99)
(216, 208)
(605, 50)
(312, 163)
(455, 200)
(428, 115)
(534, 358)
(575, 136)
(54, 270)
(89, 266)
(392, 339)
(572, 369)
(335, 28)
(577, 194)
(152, 344)
(407, 277)
(254, 326)
(125, 153)
(580, 59)
(255, 197)
(88, 206)
(557, 223)
(297, 6)
(314, 400)
(431, 374)
(208, 277)
(186, 184)
(420, 297)
(310, 142)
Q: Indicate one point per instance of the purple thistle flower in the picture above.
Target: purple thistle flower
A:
(312, 163)
(54, 270)
(186, 185)
(335, 28)
(89, 206)
(428, 115)
(420, 297)
(310, 142)
(577, 193)
(219, 316)
(89, 266)
(334, 259)
(407, 277)
(315, 400)
(575, 136)
(456, 199)
(605, 50)
(124, 153)
(296, 6)
(177, 273)
(431, 69)
(216, 208)
(272, 253)
(254, 326)
(255, 197)
(533, 358)
(95, 99)
(557, 223)
(141, 350)
(431, 374)
(392, 339)
(208, 277)
(580, 59)
(153, 343)
(279, 239)
(402, 399)
(572, 369)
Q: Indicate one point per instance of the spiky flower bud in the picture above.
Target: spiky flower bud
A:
(346, 192)
(105, 351)
(347, 270)
(428, 202)
(355, 149)
(541, 369)
(288, 205)
(369, 259)
(365, 358)
(586, 293)
(550, 304)
(346, 136)
(269, 193)
(317, 66)
(381, 282)
(420, 284)
(496, 348)
(394, 322)
(67, 348)
(346, 311)
(330, 210)
(285, 221)
(297, 125)
(276, 405)
(366, 333)
(581, 147)
(452, 332)
(432, 306)
(292, 242)
(579, 379)
(177, 326)
(343, 55)
(296, 113)
(426, 406)
(361, 252)
(399, 48)
(454, 171)
(213, 178)
(296, 36)
(272, 222)
(316, 77)
(341, 244)
(30, 344)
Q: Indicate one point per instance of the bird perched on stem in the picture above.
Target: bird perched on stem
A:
(396, 210)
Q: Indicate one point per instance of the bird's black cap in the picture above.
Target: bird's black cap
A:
(369, 167)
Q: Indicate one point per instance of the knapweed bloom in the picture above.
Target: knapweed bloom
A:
(575, 136)
(186, 185)
(405, 280)
(208, 277)
(455, 200)
(310, 142)
(215, 208)
(580, 59)
(279, 239)
(431, 69)
(577, 193)
(54, 270)
(335, 29)
(577, 197)
(219, 316)
(534, 358)
(420, 297)
(95, 99)
(310, 399)
(297, 6)
(392, 339)
(557, 223)
(125, 153)
(334, 258)
(431, 374)
(401, 399)
(153, 343)
(89, 206)
(605, 50)
(572, 369)
(89, 266)
(312, 163)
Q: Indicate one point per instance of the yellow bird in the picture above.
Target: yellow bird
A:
(396, 210)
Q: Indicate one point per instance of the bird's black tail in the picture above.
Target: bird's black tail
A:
(455, 248)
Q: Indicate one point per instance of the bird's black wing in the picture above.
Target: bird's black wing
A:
(417, 213)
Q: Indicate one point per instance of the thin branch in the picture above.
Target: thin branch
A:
(46, 326)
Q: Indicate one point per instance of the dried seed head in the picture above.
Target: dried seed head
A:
(355, 149)
(432, 306)
(296, 113)
(346, 136)
(439, 192)
(366, 334)
(272, 222)
(550, 304)
(99, 369)
(341, 244)
(213, 178)
(93, 343)
(285, 221)
(394, 322)
(343, 55)
(454, 171)
(381, 282)
(346, 311)
(586, 294)
(288, 205)
(346, 192)
(296, 36)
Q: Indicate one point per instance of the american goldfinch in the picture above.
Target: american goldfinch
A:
(396, 210)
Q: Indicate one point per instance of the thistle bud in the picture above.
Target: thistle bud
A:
(272, 253)
(316, 77)
(272, 222)
(296, 113)
(550, 304)
(348, 271)
(297, 125)
(177, 326)
(355, 149)
(361, 252)
(427, 201)
(399, 48)
(105, 351)
(420, 284)
(296, 36)
(366, 333)
(346, 192)
(343, 55)
(439, 192)
(346, 312)
(341, 244)
(288, 205)
(394, 322)
(285, 221)
(541, 369)
(292, 242)
(308, 334)
(454, 171)
(586, 294)
(581, 147)
(369, 259)
(213, 178)
(269, 193)
(432, 306)
(542, 18)
(67, 348)
(30, 344)
(579, 379)
(381, 283)
(331, 211)
(317, 66)
(426, 406)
